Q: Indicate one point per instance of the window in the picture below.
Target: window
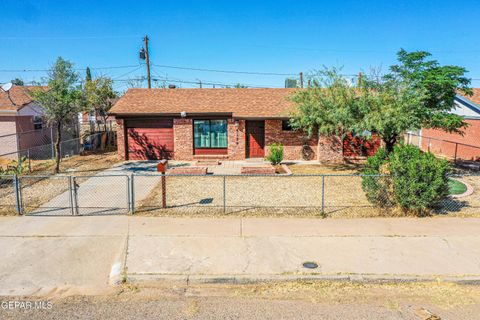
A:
(37, 123)
(286, 125)
(210, 133)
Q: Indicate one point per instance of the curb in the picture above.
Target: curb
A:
(250, 279)
(117, 271)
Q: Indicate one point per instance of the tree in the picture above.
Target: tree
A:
(88, 75)
(389, 109)
(416, 93)
(329, 107)
(61, 102)
(17, 82)
(98, 97)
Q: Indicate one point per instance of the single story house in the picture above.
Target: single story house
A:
(454, 145)
(233, 124)
(19, 115)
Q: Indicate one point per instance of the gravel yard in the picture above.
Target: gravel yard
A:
(294, 195)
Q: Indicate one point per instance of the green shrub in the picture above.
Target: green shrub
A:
(417, 183)
(420, 179)
(377, 183)
(275, 153)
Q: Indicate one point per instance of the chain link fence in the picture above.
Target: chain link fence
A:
(451, 150)
(34, 158)
(12, 144)
(331, 195)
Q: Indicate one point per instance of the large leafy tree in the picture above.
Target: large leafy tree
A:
(416, 93)
(61, 102)
(329, 107)
(99, 96)
(389, 109)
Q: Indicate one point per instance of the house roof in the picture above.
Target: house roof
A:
(17, 97)
(240, 102)
(472, 102)
(475, 98)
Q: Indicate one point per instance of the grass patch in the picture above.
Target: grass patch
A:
(456, 187)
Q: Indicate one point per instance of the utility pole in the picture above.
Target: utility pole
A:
(360, 79)
(301, 80)
(147, 61)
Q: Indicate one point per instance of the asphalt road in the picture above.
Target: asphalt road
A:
(272, 301)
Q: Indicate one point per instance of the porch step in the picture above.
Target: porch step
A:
(208, 162)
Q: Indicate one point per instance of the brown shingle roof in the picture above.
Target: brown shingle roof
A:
(475, 97)
(248, 103)
(19, 96)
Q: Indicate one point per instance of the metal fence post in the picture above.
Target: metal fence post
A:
(224, 193)
(455, 156)
(70, 198)
(29, 162)
(323, 195)
(18, 194)
(75, 194)
(131, 193)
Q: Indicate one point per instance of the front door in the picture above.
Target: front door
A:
(255, 139)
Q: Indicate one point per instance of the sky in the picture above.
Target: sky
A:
(284, 37)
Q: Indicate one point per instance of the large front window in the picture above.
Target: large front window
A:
(210, 133)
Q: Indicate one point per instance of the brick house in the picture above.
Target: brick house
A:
(454, 145)
(233, 124)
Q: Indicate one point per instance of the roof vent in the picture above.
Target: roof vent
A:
(171, 86)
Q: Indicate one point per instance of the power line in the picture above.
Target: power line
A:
(68, 38)
(76, 69)
(226, 71)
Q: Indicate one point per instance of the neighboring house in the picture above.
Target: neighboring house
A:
(19, 114)
(454, 145)
(233, 124)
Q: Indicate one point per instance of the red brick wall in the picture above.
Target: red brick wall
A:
(236, 140)
(121, 139)
(358, 147)
(325, 149)
(183, 139)
(330, 149)
(291, 140)
(471, 137)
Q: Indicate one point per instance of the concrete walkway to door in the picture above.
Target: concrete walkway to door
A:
(104, 193)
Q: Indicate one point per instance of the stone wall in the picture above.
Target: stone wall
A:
(292, 141)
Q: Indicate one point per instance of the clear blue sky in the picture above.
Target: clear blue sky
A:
(267, 36)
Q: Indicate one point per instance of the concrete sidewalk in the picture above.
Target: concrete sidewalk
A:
(42, 255)
(248, 249)
(49, 255)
